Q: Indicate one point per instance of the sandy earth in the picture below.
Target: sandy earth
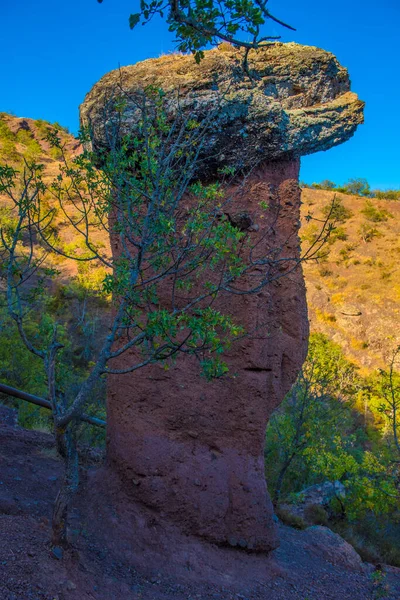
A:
(119, 551)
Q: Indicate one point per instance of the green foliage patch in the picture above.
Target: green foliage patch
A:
(318, 435)
(374, 214)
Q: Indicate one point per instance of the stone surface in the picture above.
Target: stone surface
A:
(334, 548)
(298, 102)
(315, 495)
(192, 451)
(323, 493)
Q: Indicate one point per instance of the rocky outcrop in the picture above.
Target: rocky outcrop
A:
(193, 451)
(322, 493)
(313, 504)
(324, 542)
(297, 102)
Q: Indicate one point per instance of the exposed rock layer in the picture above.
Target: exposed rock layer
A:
(298, 102)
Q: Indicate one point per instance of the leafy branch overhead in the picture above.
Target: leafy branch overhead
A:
(199, 23)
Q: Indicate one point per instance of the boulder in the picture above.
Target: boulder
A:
(297, 102)
(322, 493)
(310, 503)
(324, 542)
(192, 451)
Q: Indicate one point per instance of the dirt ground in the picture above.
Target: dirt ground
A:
(122, 551)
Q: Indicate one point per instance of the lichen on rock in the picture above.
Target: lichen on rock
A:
(296, 102)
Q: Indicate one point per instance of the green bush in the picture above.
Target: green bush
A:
(376, 539)
(8, 151)
(374, 214)
(337, 212)
(326, 184)
(317, 435)
(325, 272)
(339, 233)
(20, 369)
(316, 514)
(290, 519)
(386, 194)
(354, 187)
(368, 232)
(32, 149)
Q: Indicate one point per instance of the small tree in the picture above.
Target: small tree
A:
(327, 184)
(314, 437)
(307, 423)
(178, 249)
(389, 408)
(356, 187)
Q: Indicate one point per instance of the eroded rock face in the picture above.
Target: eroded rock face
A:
(191, 450)
(194, 449)
(298, 102)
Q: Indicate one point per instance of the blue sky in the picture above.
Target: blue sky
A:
(51, 53)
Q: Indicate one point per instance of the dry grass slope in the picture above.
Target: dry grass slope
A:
(354, 292)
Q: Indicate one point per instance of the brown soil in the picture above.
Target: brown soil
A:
(120, 553)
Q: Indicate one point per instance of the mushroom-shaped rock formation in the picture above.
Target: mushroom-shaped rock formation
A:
(297, 102)
(190, 450)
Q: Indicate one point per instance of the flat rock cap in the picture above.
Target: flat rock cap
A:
(296, 102)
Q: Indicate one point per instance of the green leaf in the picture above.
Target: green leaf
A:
(134, 20)
(199, 55)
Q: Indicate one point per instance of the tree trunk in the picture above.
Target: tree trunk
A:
(67, 448)
(280, 479)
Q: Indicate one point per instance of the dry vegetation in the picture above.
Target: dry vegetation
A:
(353, 292)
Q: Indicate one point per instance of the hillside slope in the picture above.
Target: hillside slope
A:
(353, 293)
(26, 138)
